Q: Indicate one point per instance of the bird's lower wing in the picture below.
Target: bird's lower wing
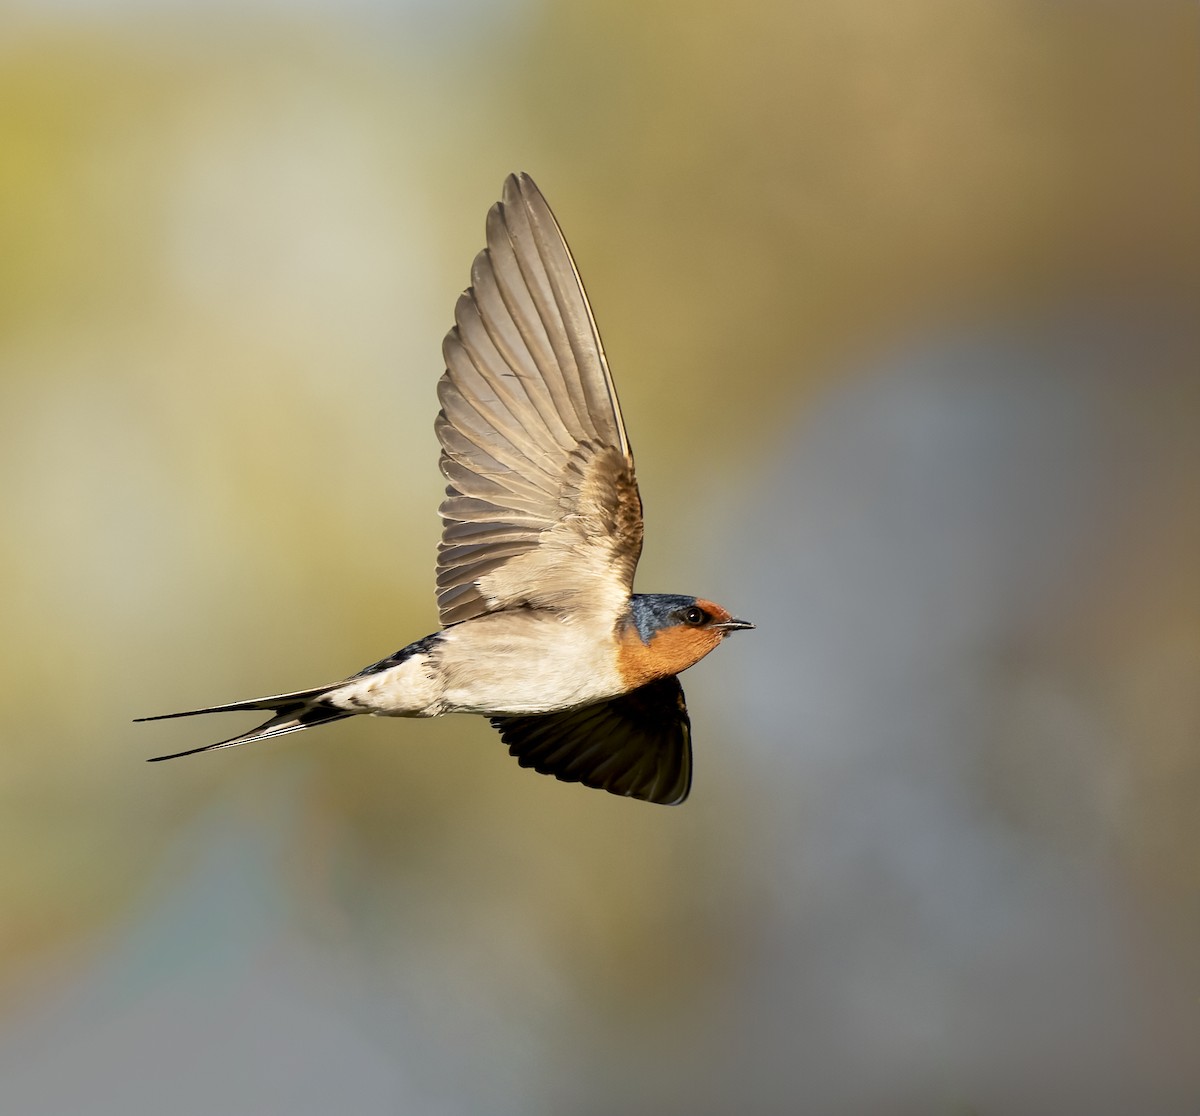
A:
(637, 745)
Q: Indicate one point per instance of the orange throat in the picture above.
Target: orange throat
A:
(669, 651)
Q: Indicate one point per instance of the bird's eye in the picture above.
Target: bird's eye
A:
(694, 616)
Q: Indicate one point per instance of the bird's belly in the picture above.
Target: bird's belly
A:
(535, 667)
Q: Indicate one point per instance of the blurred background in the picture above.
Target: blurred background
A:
(901, 301)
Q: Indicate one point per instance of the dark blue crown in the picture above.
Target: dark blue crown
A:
(651, 612)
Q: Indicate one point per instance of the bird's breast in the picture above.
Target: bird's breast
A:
(527, 662)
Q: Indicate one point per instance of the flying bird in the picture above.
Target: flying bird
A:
(542, 530)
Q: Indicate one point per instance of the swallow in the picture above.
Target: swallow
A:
(541, 534)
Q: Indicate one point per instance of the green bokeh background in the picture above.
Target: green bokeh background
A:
(231, 237)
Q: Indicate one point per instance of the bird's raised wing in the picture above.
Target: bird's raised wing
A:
(638, 744)
(542, 508)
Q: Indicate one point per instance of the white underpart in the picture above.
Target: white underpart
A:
(501, 663)
(411, 689)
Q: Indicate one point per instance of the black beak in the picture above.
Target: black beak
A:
(734, 626)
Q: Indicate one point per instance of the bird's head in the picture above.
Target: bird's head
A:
(664, 634)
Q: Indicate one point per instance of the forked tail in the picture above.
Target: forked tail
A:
(292, 712)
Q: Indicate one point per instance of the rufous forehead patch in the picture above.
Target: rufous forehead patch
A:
(719, 614)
